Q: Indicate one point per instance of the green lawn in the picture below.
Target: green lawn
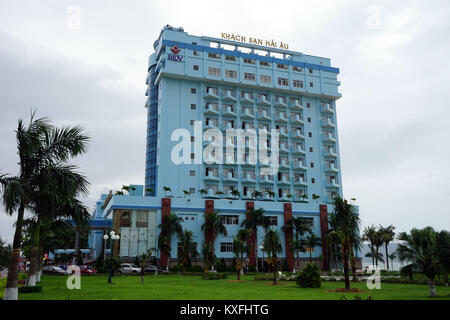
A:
(193, 287)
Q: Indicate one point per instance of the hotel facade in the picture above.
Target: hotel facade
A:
(198, 84)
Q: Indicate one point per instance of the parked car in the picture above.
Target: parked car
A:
(53, 270)
(87, 270)
(129, 268)
(152, 269)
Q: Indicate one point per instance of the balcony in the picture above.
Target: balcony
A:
(330, 153)
(247, 98)
(284, 164)
(284, 148)
(211, 177)
(262, 101)
(284, 181)
(264, 115)
(295, 105)
(297, 135)
(211, 110)
(228, 111)
(299, 166)
(298, 150)
(279, 102)
(228, 96)
(247, 114)
(283, 133)
(327, 123)
(300, 182)
(211, 194)
(265, 162)
(332, 183)
(328, 137)
(229, 177)
(228, 125)
(331, 168)
(265, 180)
(229, 159)
(211, 125)
(326, 107)
(211, 94)
(297, 119)
(248, 178)
(280, 117)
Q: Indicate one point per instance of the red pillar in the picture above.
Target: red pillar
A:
(249, 205)
(165, 210)
(288, 236)
(209, 209)
(323, 231)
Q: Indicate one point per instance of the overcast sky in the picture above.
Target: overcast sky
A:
(393, 116)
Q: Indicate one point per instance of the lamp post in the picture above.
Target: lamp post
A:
(261, 247)
(112, 236)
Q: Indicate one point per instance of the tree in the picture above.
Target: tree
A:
(272, 245)
(346, 223)
(255, 219)
(166, 189)
(213, 226)
(256, 194)
(299, 227)
(316, 197)
(311, 241)
(145, 258)
(387, 234)
(170, 225)
(208, 256)
(235, 193)
(443, 252)
(188, 249)
(420, 250)
(370, 235)
(239, 249)
(186, 193)
(40, 145)
(5, 253)
(203, 192)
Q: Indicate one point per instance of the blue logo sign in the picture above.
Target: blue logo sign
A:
(175, 57)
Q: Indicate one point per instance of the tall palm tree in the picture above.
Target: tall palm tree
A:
(299, 227)
(166, 189)
(311, 241)
(213, 226)
(170, 225)
(39, 145)
(255, 219)
(378, 242)
(443, 243)
(420, 249)
(387, 234)
(370, 235)
(272, 245)
(188, 249)
(208, 256)
(235, 193)
(256, 194)
(347, 224)
(239, 249)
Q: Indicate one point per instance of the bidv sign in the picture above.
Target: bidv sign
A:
(175, 56)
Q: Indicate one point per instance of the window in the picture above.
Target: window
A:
(311, 84)
(231, 220)
(226, 247)
(142, 219)
(213, 55)
(195, 67)
(311, 71)
(265, 79)
(281, 66)
(310, 149)
(193, 90)
(192, 173)
(192, 191)
(192, 138)
(193, 106)
(309, 119)
(214, 72)
(125, 219)
(310, 134)
(230, 58)
(295, 68)
(231, 74)
(283, 82)
(312, 164)
(251, 61)
(191, 122)
(308, 105)
(313, 180)
(273, 221)
(264, 63)
(249, 76)
(297, 84)
(192, 155)
(196, 54)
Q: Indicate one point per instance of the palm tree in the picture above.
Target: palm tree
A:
(392, 256)
(188, 249)
(149, 190)
(235, 193)
(145, 258)
(219, 193)
(255, 219)
(315, 197)
(334, 244)
(370, 235)
(272, 245)
(346, 223)
(186, 193)
(208, 256)
(311, 241)
(420, 249)
(256, 194)
(40, 145)
(213, 226)
(271, 194)
(170, 225)
(166, 189)
(443, 243)
(304, 196)
(299, 227)
(387, 234)
(203, 192)
(239, 249)
(126, 188)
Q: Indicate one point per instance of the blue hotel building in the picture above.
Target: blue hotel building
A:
(229, 84)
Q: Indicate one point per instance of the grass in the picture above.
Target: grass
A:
(168, 287)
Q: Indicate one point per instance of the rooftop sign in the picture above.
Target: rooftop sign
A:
(257, 41)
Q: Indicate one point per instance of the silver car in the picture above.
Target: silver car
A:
(128, 268)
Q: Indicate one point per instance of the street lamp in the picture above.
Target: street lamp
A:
(261, 247)
(112, 236)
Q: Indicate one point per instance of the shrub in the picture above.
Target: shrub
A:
(309, 277)
(251, 269)
(215, 276)
(30, 289)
